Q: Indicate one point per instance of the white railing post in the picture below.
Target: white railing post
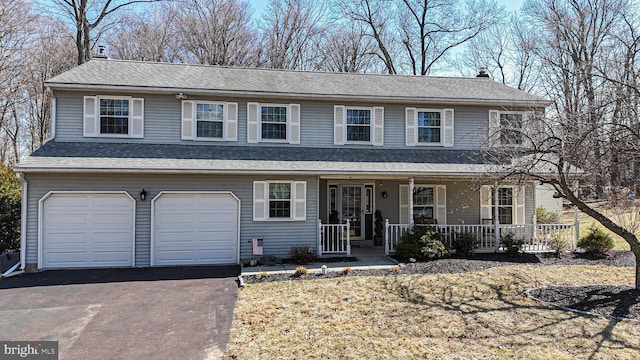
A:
(576, 229)
(320, 236)
(348, 238)
(386, 236)
(496, 231)
(534, 221)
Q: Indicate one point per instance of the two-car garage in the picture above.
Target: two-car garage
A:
(97, 229)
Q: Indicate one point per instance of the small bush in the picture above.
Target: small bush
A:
(269, 260)
(558, 245)
(464, 244)
(263, 275)
(596, 242)
(395, 269)
(511, 245)
(302, 255)
(546, 217)
(301, 271)
(347, 271)
(421, 243)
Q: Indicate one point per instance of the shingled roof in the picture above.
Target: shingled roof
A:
(101, 74)
(172, 158)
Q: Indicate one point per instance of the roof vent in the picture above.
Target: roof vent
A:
(101, 53)
(483, 72)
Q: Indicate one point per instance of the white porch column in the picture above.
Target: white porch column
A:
(496, 222)
(348, 238)
(319, 237)
(386, 236)
(411, 185)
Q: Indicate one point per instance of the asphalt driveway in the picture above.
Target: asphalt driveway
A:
(156, 313)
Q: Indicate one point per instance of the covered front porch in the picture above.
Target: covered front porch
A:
(375, 213)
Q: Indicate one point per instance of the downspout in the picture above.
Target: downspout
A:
(23, 221)
(411, 187)
(52, 130)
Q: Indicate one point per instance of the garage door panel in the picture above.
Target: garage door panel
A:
(87, 230)
(212, 220)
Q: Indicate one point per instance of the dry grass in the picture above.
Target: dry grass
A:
(587, 221)
(453, 316)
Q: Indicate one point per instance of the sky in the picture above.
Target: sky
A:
(259, 6)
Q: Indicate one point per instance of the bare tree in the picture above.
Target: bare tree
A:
(217, 32)
(347, 49)
(289, 29)
(377, 17)
(88, 15)
(147, 37)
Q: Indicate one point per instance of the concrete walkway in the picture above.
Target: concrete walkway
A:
(365, 260)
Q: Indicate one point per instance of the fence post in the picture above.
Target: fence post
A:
(348, 238)
(386, 236)
(320, 236)
(576, 228)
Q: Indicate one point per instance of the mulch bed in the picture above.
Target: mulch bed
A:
(616, 301)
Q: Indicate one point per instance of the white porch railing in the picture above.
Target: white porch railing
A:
(537, 237)
(334, 238)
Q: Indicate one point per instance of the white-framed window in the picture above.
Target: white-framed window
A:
(113, 116)
(209, 120)
(423, 204)
(429, 127)
(279, 200)
(428, 204)
(358, 125)
(510, 203)
(273, 123)
(507, 127)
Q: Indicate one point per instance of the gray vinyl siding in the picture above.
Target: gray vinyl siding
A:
(544, 198)
(162, 121)
(279, 236)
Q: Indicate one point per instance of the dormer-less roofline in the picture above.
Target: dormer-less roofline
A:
(203, 80)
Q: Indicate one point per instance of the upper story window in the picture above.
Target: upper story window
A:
(429, 127)
(358, 125)
(209, 120)
(113, 116)
(507, 127)
(273, 120)
(273, 123)
(511, 128)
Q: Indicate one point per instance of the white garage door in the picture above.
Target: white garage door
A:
(195, 229)
(87, 230)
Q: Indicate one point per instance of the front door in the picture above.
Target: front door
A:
(351, 208)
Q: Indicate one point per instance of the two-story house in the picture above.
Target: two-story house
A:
(153, 164)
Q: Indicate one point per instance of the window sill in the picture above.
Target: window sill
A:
(114, 136)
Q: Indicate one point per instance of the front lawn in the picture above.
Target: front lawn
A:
(459, 316)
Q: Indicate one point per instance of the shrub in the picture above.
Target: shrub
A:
(347, 271)
(546, 217)
(511, 245)
(301, 271)
(464, 243)
(558, 245)
(263, 275)
(596, 242)
(302, 255)
(269, 260)
(10, 206)
(421, 243)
